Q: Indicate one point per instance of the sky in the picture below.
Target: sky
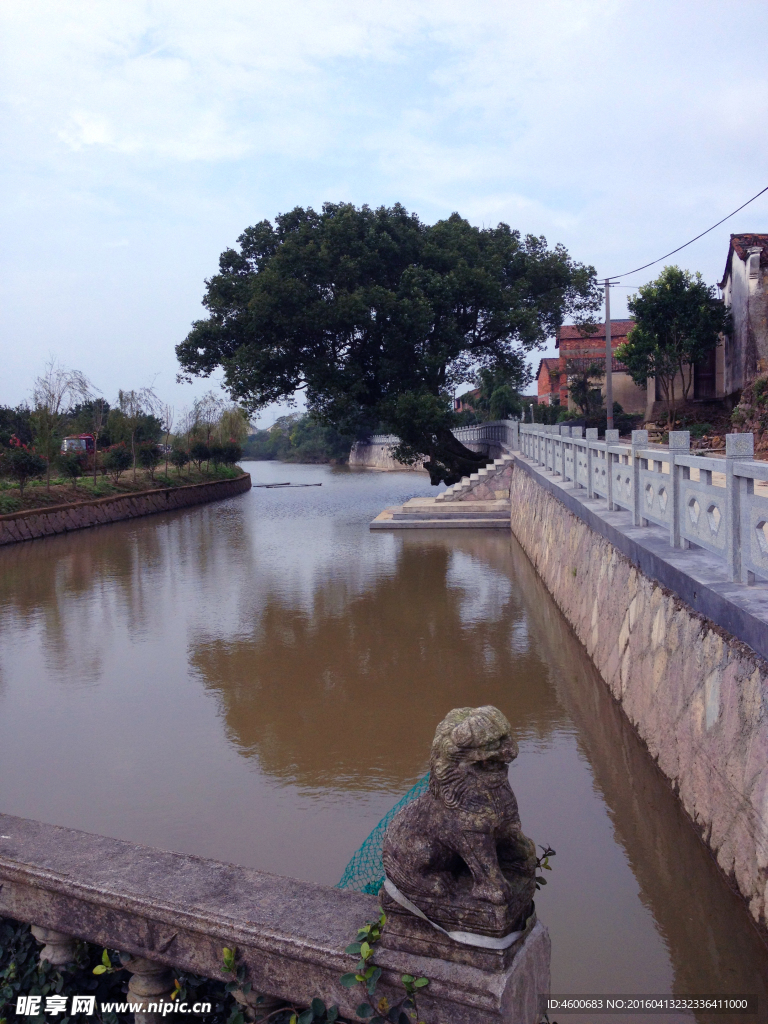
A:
(140, 138)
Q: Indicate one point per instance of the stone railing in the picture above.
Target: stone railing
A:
(719, 511)
(502, 432)
(167, 912)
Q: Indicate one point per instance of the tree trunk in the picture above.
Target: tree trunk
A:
(450, 460)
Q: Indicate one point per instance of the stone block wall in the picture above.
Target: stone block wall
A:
(63, 518)
(376, 456)
(696, 695)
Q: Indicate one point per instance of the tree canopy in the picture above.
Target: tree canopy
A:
(378, 318)
(678, 321)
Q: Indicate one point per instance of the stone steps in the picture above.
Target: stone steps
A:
(458, 491)
(426, 513)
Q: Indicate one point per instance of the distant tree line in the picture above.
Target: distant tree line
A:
(299, 438)
(137, 430)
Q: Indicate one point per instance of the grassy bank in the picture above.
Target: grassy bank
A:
(61, 492)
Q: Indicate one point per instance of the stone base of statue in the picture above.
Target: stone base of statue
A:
(409, 933)
(459, 993)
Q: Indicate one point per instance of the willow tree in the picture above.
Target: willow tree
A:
(379, 318)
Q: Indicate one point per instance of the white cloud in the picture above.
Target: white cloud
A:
(619, 127)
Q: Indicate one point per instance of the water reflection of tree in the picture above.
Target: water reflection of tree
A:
(77, 589)
(713, 944)
(349, 695)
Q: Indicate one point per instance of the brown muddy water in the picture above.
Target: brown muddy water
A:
(259, 680)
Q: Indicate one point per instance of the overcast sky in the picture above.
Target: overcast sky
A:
(140, 138)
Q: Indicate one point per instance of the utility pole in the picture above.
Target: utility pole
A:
(608, 358)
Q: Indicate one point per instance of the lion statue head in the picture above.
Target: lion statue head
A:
(470, 753)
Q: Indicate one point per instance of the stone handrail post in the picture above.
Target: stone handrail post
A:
(591, 435)
(738, 448)
(679, 444)
(639, 440)
(564, 433)
(578, 433)
(611, 437)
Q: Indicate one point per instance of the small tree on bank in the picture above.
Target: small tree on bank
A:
(22, 464)
(180, 459)
(71, 466)
(53, 394)
(199, 453)
(678, 322)
(116, 460)
(149, 458)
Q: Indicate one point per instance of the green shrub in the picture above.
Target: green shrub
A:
(199, 453)
(71, 466)
(21, 463)
(149, 457)
(216, 452)
(179, 458)
(233, 452)
(9, 505)
(116, 460)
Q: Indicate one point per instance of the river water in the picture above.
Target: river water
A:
(259, 680)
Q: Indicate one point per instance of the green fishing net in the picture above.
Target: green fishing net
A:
(365, 871)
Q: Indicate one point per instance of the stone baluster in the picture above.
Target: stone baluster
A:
(256, 1005)
(591, 435)
(577, 432)
(738, 447)
(639, 440)
(564, 433)
(611, 437)
(679, 443)
(151, 982)
(58, 947)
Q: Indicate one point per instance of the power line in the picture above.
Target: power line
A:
(615, 277)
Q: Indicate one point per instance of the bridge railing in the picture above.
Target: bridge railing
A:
(501, 432)
(707, 502)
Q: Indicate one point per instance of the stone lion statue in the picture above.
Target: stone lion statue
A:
(457, 852)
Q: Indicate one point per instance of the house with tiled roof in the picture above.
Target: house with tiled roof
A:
(579, 351)
(548, 381)
(745, 291)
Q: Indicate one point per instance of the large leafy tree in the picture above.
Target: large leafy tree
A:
(678, 322)
(378, 318)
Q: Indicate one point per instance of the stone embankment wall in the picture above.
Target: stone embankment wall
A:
(697, 696)
(376, 456)
(62, 518)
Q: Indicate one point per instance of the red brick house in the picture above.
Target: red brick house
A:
(578, 353)
(548, 380)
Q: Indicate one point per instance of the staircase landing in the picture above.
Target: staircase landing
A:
(432, 514)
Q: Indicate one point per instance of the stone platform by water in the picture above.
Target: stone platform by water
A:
(431, 514)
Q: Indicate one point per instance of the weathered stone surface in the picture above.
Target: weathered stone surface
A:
(697, 696)
(377, 456)
(458, 852)
(64, 518)
(490, 488)
(181, 911)
(58, 947)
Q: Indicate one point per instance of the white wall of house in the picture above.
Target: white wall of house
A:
(745, 291)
